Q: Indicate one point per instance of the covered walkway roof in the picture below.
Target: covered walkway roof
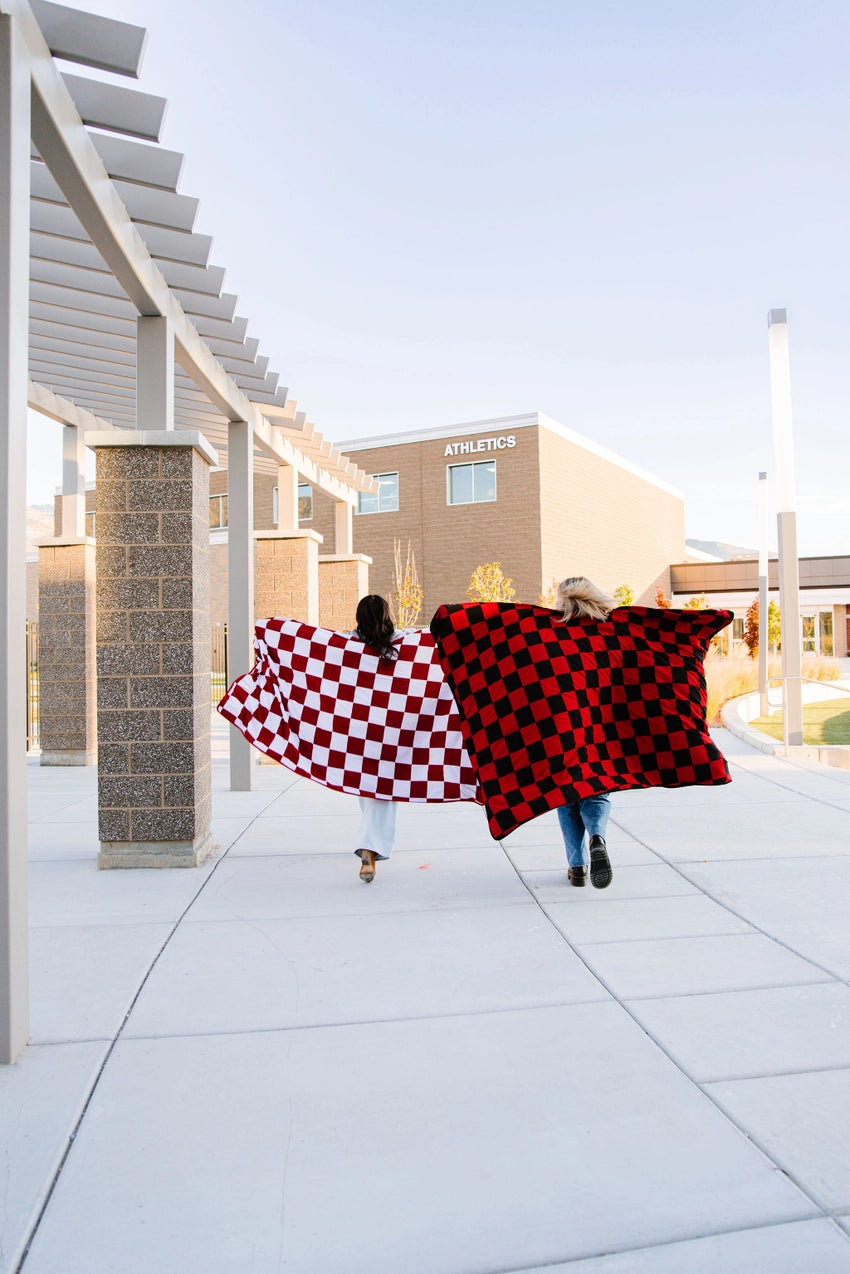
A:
(113, 319)
(112, 239)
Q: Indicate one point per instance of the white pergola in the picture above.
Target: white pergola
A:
(112, 317)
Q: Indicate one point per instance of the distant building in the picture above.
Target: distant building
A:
(525, 491)
(733, 585)
(544, 502)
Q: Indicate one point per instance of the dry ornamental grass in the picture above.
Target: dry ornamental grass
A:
(739, 675)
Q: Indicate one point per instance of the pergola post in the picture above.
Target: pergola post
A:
(153, 647)
(287, 580)
(287, 497)
(73, 501)
(154, 373)
(344, 527)
(14, 313)
(342, 582)
(67, 670)
(240, 582)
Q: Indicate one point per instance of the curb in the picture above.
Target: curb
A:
(736, 715)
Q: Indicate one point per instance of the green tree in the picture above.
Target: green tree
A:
(488, 584)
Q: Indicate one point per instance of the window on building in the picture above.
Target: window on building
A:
(471, 483)
(90, 524)
(218, 511)
(384, 500)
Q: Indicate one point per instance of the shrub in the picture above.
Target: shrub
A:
(406, 602)
(727, 679)
(549, 596)
(751, 628)
(488, 584)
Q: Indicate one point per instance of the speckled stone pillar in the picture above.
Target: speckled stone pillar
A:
(287, 575)
(342, 582)
(153, 654)
(66, 651)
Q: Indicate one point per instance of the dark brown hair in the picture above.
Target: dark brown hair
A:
(374, 625)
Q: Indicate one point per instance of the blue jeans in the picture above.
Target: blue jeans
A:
(579, 822)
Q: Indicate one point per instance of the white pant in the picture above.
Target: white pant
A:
(377, 826)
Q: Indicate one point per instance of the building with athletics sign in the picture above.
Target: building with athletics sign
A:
(524, 491)
(539, 499)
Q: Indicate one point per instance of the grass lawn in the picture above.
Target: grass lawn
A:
(826, 722)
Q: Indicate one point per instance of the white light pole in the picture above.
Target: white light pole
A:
(786, 521)
(764, 704)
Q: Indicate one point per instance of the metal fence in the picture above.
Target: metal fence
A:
(218, 661)
(32, 684)
(218, 677)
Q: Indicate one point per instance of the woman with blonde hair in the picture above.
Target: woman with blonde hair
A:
(584, 823)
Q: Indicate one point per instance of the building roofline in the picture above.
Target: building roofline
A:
(528, 420)
(772, 556)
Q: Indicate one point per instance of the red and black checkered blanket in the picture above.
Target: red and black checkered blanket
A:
(328, 707)
(555, 712)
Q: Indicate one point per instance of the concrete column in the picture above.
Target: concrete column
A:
(287, 498)
(154, 373)
(789, 623)
(789, 576)
(764, 701)
(288, 575)
(240, 583)
(343, 580)
(14, 326)
(344, 528)
(66, 652)
(153, 635)
(73, 501)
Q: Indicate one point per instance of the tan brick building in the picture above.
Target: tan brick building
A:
(521, 490)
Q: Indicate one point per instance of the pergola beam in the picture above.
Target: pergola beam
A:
(90, 39)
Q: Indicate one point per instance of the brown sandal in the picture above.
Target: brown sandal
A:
(367, 866)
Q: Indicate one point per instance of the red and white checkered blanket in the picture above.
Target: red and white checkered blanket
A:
(328, 707)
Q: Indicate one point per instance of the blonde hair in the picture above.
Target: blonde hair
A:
(578, 598)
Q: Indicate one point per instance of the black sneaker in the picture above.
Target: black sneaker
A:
(601, 874)
(577, 876)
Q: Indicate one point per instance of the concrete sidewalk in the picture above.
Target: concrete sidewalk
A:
(467, 1067)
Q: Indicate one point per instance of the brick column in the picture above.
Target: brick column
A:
(66, 651)
(342, 582)
(153, 655)
(287, 575)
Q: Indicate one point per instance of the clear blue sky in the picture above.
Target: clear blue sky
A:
(438, 212)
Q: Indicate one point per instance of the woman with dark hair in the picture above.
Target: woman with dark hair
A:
(376, 836)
